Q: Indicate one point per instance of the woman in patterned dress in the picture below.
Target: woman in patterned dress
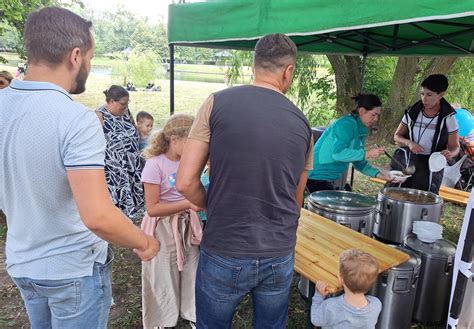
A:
(122, 159)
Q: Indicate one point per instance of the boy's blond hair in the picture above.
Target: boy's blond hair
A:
(358, 269)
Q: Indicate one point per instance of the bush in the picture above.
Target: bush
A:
(141, 68)
(144, 67)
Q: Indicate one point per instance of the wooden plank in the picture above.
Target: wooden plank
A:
(320, 241)
(447, 193)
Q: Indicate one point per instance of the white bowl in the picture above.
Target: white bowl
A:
(427, 231)
(437, 162)
(425, 239)
(397, 176)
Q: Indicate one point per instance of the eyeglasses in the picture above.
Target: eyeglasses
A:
(124, 104)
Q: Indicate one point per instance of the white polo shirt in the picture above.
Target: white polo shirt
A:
(44, 133)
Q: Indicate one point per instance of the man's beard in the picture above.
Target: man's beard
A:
(81, 79)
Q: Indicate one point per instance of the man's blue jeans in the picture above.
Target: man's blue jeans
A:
(221, 282)
(68, 304)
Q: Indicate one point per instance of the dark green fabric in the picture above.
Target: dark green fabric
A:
(321, 26)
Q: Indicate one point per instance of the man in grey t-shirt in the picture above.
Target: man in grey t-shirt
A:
(260, 150)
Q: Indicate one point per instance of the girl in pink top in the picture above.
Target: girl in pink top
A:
(168, 280)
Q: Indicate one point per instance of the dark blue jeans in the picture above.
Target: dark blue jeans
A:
(221, 282)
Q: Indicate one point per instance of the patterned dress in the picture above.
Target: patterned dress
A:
(122, 163)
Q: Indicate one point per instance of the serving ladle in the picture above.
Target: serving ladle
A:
(410, 170)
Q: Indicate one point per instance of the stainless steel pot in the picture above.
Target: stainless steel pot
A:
(434, 284)
(350, 209)
(396, 289)
(399, 207)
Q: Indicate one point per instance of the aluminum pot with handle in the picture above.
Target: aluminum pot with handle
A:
(396, 289)
(398, 208)
(434, 284)
(350, 209)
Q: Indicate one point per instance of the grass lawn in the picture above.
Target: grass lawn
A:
(188, 97)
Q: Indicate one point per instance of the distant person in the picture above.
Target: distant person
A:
(144, 127)
(357, 274)
(428, 126)
(150, 85)
(260, 148)
(53, 189)
(5, 79)
(21, 71)
(168, 281)
(131, 86)
(122, 157)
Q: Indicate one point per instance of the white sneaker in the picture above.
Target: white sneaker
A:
(192, 325)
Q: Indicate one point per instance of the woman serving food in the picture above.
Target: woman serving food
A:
(343, 142)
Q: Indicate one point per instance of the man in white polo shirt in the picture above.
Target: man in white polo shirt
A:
(52, 183)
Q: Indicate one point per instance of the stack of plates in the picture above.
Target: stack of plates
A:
(427, 231)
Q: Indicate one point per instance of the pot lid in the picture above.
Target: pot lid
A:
(410, 195)
(342, 200)
(439, 249)
(411, 264)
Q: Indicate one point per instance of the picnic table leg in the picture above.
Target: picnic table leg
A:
(311, 289)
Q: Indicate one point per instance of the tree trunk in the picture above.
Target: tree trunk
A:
(400, 95)
(347, 71)
(439, 65)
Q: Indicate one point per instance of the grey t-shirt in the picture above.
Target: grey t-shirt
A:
(259, 144)
(335, 313)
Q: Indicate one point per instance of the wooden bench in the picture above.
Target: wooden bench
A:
(447, 193)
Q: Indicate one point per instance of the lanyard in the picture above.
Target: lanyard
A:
(421, 133)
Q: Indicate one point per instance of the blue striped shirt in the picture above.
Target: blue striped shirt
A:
(44, 133)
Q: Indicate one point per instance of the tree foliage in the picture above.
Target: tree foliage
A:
(313, 89)
(461, 82)
(150, 37)
(141, 67)
(13, 14)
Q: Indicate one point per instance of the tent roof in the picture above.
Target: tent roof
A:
(388, 27)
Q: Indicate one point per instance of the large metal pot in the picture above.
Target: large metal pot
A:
(434, 284)
(350, 209)
(399, 207)
(396, 289)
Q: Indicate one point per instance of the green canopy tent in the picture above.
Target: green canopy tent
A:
(363, 27)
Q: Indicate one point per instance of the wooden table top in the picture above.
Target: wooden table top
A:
(320, 241)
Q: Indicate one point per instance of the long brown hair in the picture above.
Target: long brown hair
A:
(178, 125)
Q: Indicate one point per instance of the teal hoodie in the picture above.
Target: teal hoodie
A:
(341, 143)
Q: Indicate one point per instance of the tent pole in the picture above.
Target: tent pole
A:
(171, 80)
(362, 73)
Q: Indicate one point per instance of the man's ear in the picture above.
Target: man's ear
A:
(289, 70)
(74, 58)
(288, 74)
(441, 94)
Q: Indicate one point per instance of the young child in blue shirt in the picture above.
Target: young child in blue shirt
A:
(144, 127)
(357, 273)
